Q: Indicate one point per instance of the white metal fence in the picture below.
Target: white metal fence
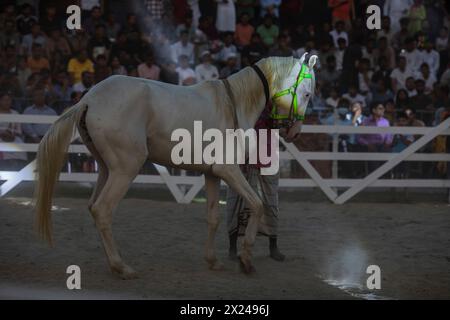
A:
(185, 188)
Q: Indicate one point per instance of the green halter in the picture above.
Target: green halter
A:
(293, 111)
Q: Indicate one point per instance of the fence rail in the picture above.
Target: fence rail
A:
(177, 184)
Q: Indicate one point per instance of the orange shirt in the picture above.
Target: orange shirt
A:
(243, 34)
(36, 65)
(341, 10)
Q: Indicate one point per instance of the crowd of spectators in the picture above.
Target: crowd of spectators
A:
(397, 75)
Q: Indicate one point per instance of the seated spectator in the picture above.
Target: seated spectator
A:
(244, 31)
(282, 48)
(381, 93)
(364, 76)
(58, 44)
(400, 74)
(206, 25)
(187, 26)
(116, 67)
(309, 47)
(99, 43)
(445, 77)
(268, 31)
(148, 69)
(79, 64)
(410, 86)
(10, 133)
(206, 70)
(340, 52)
(386, 51)
(401, 100)
(412, 55)
(442, 40)
(230, 68)
(78, 40)
(329, 76)
(421, 100)
(425, 75)
(23, 73)
(354, 96)
(95, 19)
(254, 51)
(101, 68)
(400, 37)
(333, 99)
(339, 32)
(382, 72)
(36, 62)
(36, 36)
(33, 131)
(412, 119)
(186, 76)
(9, 35)
(61, 88)
(228, 47)
(50, 21)
(432, 58)
(183, 47)
(112, 27)
(390, 113)
(386, 31)
(87, 81)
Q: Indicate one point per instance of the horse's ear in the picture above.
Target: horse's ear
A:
(302, 59)
(312, 61)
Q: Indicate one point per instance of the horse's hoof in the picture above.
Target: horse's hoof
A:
(126, 273)
(246, 268)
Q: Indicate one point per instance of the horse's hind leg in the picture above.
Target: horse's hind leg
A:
(114, 190)
(212, 191)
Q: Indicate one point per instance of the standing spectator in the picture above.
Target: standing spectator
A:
(431, 57)
(10, 133)
(186, 76)
(268, 31)
(35, 132)
(148, 69)
(270, 7)
(206, 70)
(244, 31)
(227, 48)
(226, 16)
(412, 55)
(183, 47)
(79, 64)
(375, 142)
(429, 79)
(87, 81)
(396, 9)
(417, 16)
(36, 62)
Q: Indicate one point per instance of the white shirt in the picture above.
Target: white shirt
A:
(206, 72)
(400, 77)
(431, 58)
(413, 60)
(178, 49)
(336, 35)
(184, 74)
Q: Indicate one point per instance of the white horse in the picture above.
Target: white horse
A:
(125, 120)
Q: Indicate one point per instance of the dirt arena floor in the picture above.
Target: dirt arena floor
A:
(328, 249)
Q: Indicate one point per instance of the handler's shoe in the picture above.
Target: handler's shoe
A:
(275, 253)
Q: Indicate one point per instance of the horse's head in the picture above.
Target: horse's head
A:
(290, 102)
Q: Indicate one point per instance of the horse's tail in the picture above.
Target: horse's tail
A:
(49, 162)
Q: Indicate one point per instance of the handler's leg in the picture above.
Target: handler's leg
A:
(212, 191)
(233, 176)
(269, 191)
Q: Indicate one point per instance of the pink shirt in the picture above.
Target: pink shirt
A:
(152, 73)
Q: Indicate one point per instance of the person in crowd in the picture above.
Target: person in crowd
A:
(10, 133)
(36, 61)
(268, 31)
(254, 51)
(148, 69)
(226, 16)
(230, 68)
(87, 81)
(186, 76)
(183, 47)
(79, 64)
(35, 131)
(400, 74)
(244, 31)
(206, 70)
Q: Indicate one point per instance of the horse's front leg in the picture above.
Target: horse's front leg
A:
(212, 184)
(233, 176)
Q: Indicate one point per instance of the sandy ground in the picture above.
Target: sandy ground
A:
(164, 242)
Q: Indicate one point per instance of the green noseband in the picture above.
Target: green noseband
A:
(293, 111)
